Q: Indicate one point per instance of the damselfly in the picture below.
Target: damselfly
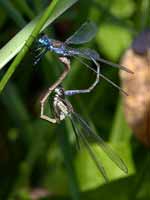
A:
(62, 109)
(84, 34)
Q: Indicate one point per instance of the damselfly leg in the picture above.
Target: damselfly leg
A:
(83, 91)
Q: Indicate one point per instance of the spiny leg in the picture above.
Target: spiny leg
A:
(66, 62)
(39, 56)
(82, 91)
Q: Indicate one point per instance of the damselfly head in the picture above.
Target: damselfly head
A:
(59, 91)
(44, 41)
(41, 46)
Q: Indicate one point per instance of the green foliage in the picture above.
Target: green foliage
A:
(113, 39)
(38, 158)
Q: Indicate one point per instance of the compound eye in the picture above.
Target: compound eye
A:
(61, 91)
(43, 40)
(40, 40)
(56, 90)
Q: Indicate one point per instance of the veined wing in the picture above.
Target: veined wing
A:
(82, 137)
(76, 132)
(89, 135)
(84, 34)
(90, 53)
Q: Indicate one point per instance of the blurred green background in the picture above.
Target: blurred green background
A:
(39, 160)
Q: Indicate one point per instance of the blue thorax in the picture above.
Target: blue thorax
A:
(59, 50)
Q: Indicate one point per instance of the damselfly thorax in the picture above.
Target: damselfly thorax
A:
(61, 106)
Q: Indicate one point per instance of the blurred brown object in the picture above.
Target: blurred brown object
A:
(137, 104)
(38, 193)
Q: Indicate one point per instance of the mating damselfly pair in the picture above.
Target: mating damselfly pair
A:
(62, 108)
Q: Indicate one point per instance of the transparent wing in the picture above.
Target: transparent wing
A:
(76, 132)
(90, 135)
(84, 34)
(82, 137)
(90, 53)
